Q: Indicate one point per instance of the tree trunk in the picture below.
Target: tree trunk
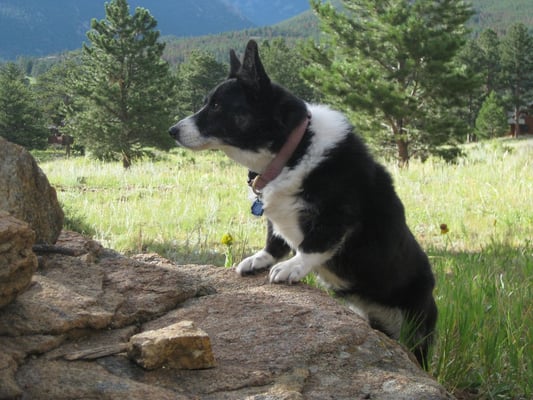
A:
(403, 153)
(516, 122)
(402, 145)
(126, 161)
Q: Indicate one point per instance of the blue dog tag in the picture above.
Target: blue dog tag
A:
(257, 208)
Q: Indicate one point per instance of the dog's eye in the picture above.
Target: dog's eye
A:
(215, 106)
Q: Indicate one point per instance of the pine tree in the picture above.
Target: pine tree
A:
(284, 65)
(491, 121)
(198, 75)
(124, 94)
(52, 92)
(489, 43)
(472, 59)
(480, 58)
(517, 69)
(21, 120)
(392, 62)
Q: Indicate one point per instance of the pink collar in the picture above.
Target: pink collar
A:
(275, 166)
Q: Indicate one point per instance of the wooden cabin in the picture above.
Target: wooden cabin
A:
(525, 121)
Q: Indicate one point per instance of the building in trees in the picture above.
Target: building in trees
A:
(525, 122)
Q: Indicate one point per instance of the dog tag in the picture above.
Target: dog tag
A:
(257, 208)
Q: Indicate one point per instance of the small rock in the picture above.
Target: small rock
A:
(178, 346)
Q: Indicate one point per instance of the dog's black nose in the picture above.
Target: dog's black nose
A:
(173, 131)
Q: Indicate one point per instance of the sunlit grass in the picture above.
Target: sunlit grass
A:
(183, 204)
(485, 323)
(179, 207)
(485, 197)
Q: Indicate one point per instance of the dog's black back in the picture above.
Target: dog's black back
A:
(380, 259)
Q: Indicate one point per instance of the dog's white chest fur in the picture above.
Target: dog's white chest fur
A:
(282, 209)
(281, 197)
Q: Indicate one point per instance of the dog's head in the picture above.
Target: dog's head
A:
(247, 116)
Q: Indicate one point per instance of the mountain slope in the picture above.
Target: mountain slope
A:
(32, 27)
(500, 14)
(270, 12)
(41, 27)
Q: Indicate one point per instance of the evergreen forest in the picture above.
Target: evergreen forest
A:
(416, 79)
(435, 81)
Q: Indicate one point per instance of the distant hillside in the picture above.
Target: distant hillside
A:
(494, 14)
(270, 12)
(45, 27)
(500, 14)
(42, 27)
(302, 26)
(35, 27)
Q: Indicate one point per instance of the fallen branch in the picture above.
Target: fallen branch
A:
(97, 352)
(53, 249)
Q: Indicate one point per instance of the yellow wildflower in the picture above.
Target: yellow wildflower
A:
(227, 239)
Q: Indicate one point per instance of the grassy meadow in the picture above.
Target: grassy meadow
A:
(184, 203)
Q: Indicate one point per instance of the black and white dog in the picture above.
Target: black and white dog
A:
(325, 199)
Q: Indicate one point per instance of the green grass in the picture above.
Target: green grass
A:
(485, 322)
(182, 205)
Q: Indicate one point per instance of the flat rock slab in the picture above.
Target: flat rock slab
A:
(269, 341)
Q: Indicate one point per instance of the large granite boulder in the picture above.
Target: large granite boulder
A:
(17, 260)
(269, 341)
(26, 193)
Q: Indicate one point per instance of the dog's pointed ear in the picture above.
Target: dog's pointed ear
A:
(252, 71)
(235, 64)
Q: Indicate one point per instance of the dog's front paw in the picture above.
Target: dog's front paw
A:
(290, 271)
(258, 261)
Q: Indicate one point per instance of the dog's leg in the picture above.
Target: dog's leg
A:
(414, 328)
(323, 236)
(296, 268)
(275, 249)
(386, 319)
